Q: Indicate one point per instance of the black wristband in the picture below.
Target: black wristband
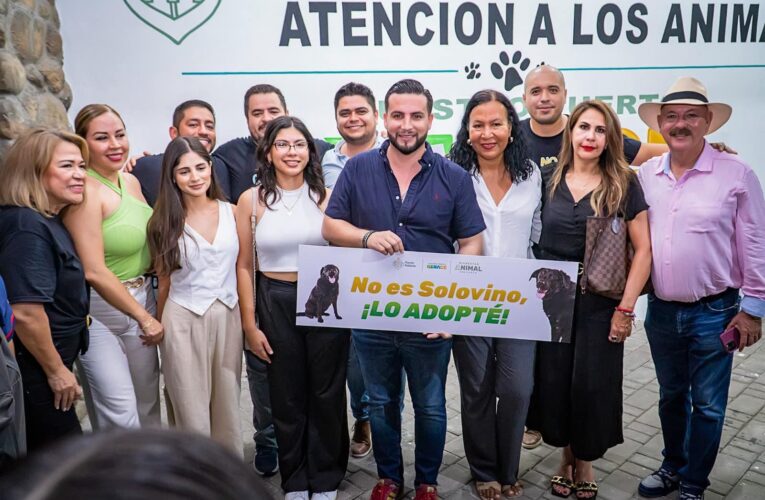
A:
(365, 239)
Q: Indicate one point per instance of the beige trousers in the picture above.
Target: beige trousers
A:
(202, 366)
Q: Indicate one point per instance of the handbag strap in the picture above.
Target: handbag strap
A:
(254, 223)
(586, 265)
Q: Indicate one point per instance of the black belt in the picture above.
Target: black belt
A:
(260, 275)
(705, 300)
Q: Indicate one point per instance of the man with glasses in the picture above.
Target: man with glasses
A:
(707, 218)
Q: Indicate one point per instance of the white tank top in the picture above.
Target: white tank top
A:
(292, 221)
(208, 271)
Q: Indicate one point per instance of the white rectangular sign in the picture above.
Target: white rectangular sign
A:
(146, 57)
(432, 292)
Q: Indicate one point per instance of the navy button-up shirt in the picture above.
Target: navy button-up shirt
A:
(439, 207)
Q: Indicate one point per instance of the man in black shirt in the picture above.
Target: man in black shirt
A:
(262, 103)
(544, 94)
(194, 118)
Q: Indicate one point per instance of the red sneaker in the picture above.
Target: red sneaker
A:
(385, 489)
(426, 492)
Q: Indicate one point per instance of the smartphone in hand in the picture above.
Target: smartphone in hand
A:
(731, 339)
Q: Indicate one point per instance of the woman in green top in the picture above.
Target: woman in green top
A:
(121, 367)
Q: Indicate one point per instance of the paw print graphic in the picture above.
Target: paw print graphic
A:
(502, 70)
(472, 72)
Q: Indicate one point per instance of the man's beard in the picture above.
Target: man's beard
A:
(408, 149)
(360, 141)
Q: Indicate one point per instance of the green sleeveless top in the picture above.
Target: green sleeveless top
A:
(126, 251)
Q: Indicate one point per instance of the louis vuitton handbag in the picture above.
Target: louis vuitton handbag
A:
(607, 257)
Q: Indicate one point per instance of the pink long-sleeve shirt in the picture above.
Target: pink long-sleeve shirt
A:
(707, 229)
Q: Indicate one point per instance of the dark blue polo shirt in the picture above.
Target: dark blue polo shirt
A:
(439, 208)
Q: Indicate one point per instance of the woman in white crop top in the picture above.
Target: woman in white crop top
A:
(306, 365)
(194, 246)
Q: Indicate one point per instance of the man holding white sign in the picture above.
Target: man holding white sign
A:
(427, 203)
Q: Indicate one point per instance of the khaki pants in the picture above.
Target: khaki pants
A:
(202, 365)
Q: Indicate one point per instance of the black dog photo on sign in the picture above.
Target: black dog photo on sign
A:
(557, 292)
(323, 294)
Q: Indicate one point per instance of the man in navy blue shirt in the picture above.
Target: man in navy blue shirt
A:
(403, 196)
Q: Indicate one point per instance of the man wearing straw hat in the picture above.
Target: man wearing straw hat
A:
(707, 219)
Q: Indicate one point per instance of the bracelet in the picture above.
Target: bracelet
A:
(365, 239)
(146, 325)
(627, 312)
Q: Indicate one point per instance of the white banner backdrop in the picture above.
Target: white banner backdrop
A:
(144, 57)
(432, 292)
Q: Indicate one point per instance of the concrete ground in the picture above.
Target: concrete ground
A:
(739, 471)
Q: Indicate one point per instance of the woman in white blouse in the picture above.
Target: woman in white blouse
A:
(194, 246)
(497, 375)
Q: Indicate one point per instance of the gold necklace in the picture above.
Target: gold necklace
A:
(287, 208)
(586, 185)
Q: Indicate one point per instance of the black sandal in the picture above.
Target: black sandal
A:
(586, 487)
(562, 482)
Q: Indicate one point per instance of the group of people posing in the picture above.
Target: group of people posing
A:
(192, 258)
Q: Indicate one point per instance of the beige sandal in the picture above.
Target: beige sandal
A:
(488, 489)
(512, 490)
(531, 439)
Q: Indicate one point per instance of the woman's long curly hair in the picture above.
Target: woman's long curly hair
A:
(266, 172)
(517, 163)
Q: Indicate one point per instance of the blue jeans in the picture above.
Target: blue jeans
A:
(382, 355)
(359, 398)
(694, 372)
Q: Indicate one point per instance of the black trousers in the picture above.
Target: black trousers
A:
(577, 397)
(45, 423)
(306, 378)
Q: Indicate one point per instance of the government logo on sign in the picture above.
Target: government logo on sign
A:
(175, 19)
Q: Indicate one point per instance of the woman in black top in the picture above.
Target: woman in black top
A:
(577, 402)
(43, 173)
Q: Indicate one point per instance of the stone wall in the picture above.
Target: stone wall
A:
(33, 90)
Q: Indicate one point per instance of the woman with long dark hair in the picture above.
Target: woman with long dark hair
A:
(577, 402)
(121, 367)
(497, 375)
(307, 365)
(193, 243)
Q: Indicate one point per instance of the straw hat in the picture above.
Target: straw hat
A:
(686, 90)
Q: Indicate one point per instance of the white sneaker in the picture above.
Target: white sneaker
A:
(296, 495)
(324, 495)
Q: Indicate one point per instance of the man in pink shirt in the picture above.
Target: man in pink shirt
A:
(707, 219)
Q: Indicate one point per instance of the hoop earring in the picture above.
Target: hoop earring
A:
(469, 142)
(512, 139)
